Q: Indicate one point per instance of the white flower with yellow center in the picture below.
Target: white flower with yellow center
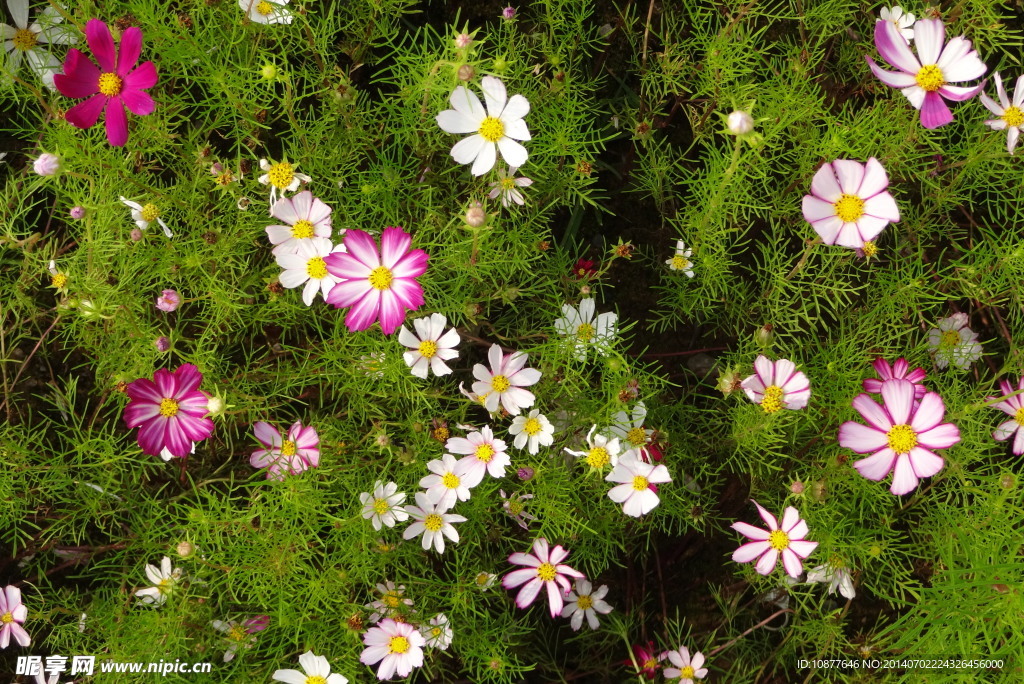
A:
(267, 11)
(164, 580)
(602, 451)
(508, 186)
(496, 128)
(481, 453)
(307, 266)
(533, 431)
(1009, 114)
(316, 670)
(144, 214)
(390, 603)
(954, 342)
(58, 280)
(431, 521)
(438, 632)
(304, 216)
(629, 428)
(903, 21)
(281, 177)
(382, 507)
(635, 491)
(583, 330)
(504, 382)
(585, 602)
(448, 483)
(23, 41)
(430, 347)
(680, 261)
(837, 575)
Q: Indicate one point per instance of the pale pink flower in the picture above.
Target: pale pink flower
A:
(508, 186)
(954, 342)
(686, 669)
(305, 216)
(46, 164)
(849, 204)
(482, 453)
(12, 614)
(504, 381)
(168, 301)
(1012, 404)
(636, 492)
(447, 483)
(397, 646)
(1009, 115)
(776, 385)
(544, 569)
(788, 539)
(585, 602)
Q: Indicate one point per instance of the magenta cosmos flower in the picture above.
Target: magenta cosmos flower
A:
(545, 568)
(1012, 404)
(116, 84)
(12, 614)
(787, 539)
(291, 456)
(777, 384)
(900, 370)
(849, 205)
(378, 285)
(925, 79)
(169, 411)
(646, 660)
(900, 435)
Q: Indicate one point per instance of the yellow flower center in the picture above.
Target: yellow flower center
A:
(391, 599)
(508, 183)
(637, 437)
(649, 664)
(450, 480)
(428, 348)
(849, 208)
(687, 672)
(1013, 116)
(531, 427)
(441, 433)
(491, 129)
(500, 383)
(149, 213)
(640, 483)
(110, 84)
(398, 644)
(380, 506)
(515, 506)
(680, 263)
(950, 338)
(315, 679)
(869, 248)
(316, 268)
(281, 174)
(546, 572)
(930, 78)
(435, 632)
(1019, 415)
(598, 457)
(224, 178)
(772, 401)
(58, 280)
(302, 229)
(484, 452)
(778, 540)
(902, 438)
(380, 278)
(7, 618)
(584, 602)
(236, 633)
(585, 331)
(168, 408)
(482, 578)
(288, 448)
(433, 522)
(24, 39)
(264, 8)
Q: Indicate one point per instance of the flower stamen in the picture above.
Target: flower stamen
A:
(491, 129)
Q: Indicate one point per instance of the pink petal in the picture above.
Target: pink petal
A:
(824, 185)
(850, 175)
(411, 265)
(872, 412)
(364, 312)
(137, 413)
(749, 531)
(392, 312)
(960, 93)
(267, 434)
(529, 592)
(895, 79)
(361, 246)
(878, 466)
(101, 43)
(80, 78)
(85, 114)
(767, 562)
(924, 462)
(883, 206)
(749, 552)
(903, 478)
(940, 437)
(828, 229)
(129, 50)
(861, 438)
(934, 112)
(898, 396)
(816, 209)
(792, 563)
(768, 518)
(117, 122)
(142, 77)
(894, 49)
(802, 547)
(394, 243)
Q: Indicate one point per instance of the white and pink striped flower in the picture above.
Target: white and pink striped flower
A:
(544, 569)
(1012, 404)
(901, 435)
(849, 204)
(12, 614)
(637, 490)
(291, 456)
(900, 370)
(776, 385)
(788, 540)
(1009, 114)
(505, 380)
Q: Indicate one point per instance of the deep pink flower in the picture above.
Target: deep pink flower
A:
(899, 370)
(170, 410)
(924, 79)
(1012, 404)
(849, 204)
(291, 456)
(900, 435)
(583, 268)
(788, 540)
(646, 659)
(377, 284)
(168, 301)
(12, 614)
(117, 82)
(545, 568)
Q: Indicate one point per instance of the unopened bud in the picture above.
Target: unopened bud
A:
(463, 40)
(475, 215)
(268, 72)
(77, 212)
(466, 72)
(740, 123)
(162, 344)
(136, 234)
(47, 164)
(763, 336)
(186, 549)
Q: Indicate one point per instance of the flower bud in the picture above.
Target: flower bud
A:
(740, 123)
(466, 72)
(796, 487)
(525, 473)
(136, 234)
(185, 549)
(475, 215)
(508, 13)
(168, 301)
(162, 344)
(47, 164)
(77, 212)
(763, 336)
(215, 406)
(268, 72)
(462, 41)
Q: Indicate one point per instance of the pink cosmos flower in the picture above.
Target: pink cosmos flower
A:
(170, 409)
(925, 79)
(1009, 114)
(306, 217)
(545, 568)
(482, 453)
(777, 384)
(687, 669)
(505, 380)
(1012, 404)
(849, 205)
(377, 284)
(397, 646)
(168, 301)
(901, 434)
(291, 456)
(12, 614)
(117, 82)
(900, 370)
(788, 539)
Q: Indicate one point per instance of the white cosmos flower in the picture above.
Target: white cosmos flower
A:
(496, 128)
(448, 482)
(432, 522)
(508, 186)
(429, 348)
(680, 261)
(601, 452)
(505, 381)
(585, 602)
(1009, 114)
(382, 506)
(629, 428)
(307, 266)
(837, 576)
(634, 492)
(533, 430)
(583, 330)
(316, 669)
(267, 11)
(903, 21)
(482, 453)
(438, 632)
(22, 41)
(397, 646)
(143, 215)
(280, 176)
(163, 578)
(954, 342)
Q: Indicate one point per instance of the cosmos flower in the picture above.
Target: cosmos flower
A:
(508, 186)
(267, 11)
(164, 579)
(583, 330)
(170, 409)
(776, 385)
(1012, 404)
(430, 347)
(46, 164)
(496, 128)
(291, 456)
(1009, 114)
(383, 506)
(240, 634)
(686, 669)
(903, 21)
(168, 301)
(116, 84)
(585, 602)
(58, 280)
(789, 540)
(544, 568)
(505, 380)
(849, 204)
(433, 522)
(379, 284)
(925, 79)
(680, 261)
(954, 342)
(899, 370)
(23, 41)
(390, 603)
(315, 669)
(397, 646)
(635, 491)
(629, 428)
(646, 660)
(305, 217)
(145, 214)
(307, 266)
(281, 177)
(483, 453)
(901, 435)
(516, 509)
(532, 431)
(837, 575)
(447, 483)
(438, 632)
(13, 614)
(601, 452)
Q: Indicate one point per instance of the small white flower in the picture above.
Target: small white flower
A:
(485, 580)
(508, 186)
(46, 164)
(281, 176)
(903, 21)
(496, 128)
(397, 646)
(634, 492)
(1009, 114)
(482, 453)
(629, 428)
(953, 342)
(267, 11)
(680, 261)
(432, 522)
(438, 632)
(533, 430)
(581, 328)
(429, 348)
(143, 215)
(686, 669)
(240, 634)
(389, 603)
(448, 482)
(315, 669)
(601, 452)
(307, 266)
(739, 123)
(164, 580)
(837, 576)
(305, 217)
(382, 507)
(585, 602)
